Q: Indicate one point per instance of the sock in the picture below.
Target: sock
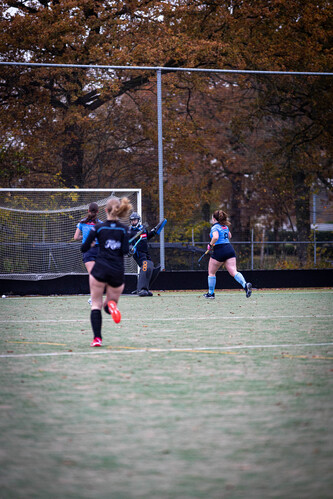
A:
(240, 278)
(211, 284)
(106, 308)
(96, 323)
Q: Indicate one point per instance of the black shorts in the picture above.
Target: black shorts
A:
(114, 276)
(90, 255)
(223, 252)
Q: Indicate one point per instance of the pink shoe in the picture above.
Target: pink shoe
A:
(96, 342)
(114, 311)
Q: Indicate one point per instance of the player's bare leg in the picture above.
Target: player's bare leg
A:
(231, 267)
(89, 266)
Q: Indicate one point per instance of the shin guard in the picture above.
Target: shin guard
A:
(96, 323)
(145, 275)
(156, 271)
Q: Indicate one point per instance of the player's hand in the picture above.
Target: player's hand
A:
(131, 251)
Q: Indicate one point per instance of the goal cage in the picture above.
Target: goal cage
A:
(37, 229)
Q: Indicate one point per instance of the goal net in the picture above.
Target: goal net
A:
(37, 227)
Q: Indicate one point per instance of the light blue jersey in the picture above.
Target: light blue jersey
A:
(223, 231)
(85, 229)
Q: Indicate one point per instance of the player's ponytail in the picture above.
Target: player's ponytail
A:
(118, 207)
(92, 218)
(92, 214)
(221, 217)
(124, 207)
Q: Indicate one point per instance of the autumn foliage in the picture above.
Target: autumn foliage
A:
(257, 145)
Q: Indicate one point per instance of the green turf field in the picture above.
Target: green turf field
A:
(187, 398)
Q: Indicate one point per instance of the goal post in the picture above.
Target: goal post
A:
(37, 227)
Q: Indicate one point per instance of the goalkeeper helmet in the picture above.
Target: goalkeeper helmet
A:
(135, 219)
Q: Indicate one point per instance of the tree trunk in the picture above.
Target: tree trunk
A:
(302, 210)
(235, 213)
(206, 212)
(72, 158)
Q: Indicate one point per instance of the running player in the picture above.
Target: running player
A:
(108, 270)
(81, 234)
(223, 252)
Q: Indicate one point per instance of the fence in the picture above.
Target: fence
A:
(251, 255)
(159, 70)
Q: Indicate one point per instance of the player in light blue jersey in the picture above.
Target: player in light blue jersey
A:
(81, 234)
(223, 253)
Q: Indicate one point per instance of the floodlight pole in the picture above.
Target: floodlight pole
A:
(314, 221)
(160, 163)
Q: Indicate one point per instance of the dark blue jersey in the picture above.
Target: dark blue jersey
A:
(112, 237)
(141, 249)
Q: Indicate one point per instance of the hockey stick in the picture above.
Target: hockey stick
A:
(144, 228)
(206, 253)
(132, 250)
(137, 243)
(136, 235)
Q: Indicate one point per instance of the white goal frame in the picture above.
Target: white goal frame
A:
(26, 253)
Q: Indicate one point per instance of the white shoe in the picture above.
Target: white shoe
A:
(90, 302)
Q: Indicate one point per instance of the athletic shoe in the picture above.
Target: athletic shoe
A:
(209, 296)
(96, 342)
(114, 311)
(89, 301)
(144, 292)
(248, 289)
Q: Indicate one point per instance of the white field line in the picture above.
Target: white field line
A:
(119, 350)
(176, 319)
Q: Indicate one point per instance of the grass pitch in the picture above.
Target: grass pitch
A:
(187, 398)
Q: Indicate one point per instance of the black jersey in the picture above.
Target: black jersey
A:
(141, 249)
(113, 243)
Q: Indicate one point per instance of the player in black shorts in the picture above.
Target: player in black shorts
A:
(108, 270)
(223, 253)
(81, 234)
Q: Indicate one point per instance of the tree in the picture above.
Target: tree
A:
(91, 117)
(81, 32)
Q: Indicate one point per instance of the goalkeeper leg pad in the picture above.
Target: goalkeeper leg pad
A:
(145, 275)
(154, 275)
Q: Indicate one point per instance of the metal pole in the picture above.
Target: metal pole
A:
(314, 220)
(160, 163)
(251, 249)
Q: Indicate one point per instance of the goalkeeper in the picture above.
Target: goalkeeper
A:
(139, 251)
